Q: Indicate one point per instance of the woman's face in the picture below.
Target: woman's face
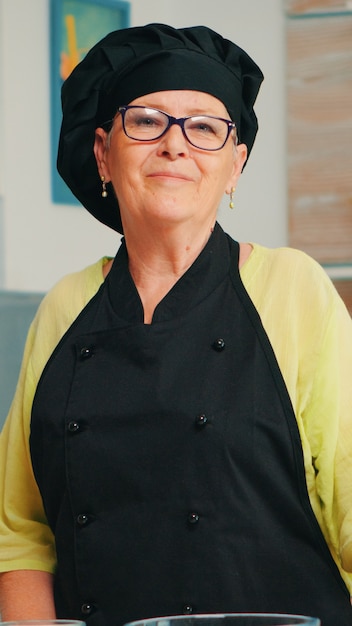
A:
(168, 180)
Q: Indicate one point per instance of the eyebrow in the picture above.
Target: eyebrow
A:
(191, 113)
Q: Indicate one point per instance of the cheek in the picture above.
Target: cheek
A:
(126, 158)
(119, 168)
(217, 171)
(125, 174)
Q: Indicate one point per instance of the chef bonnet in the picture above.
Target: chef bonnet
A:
(130, 63)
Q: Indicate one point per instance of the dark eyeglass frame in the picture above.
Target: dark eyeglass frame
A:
(179, 121)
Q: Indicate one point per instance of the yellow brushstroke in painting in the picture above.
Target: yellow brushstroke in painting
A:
(70, 60)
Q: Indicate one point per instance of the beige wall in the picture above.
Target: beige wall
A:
(40, 241)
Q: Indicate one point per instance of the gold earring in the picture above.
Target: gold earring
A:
(104, 193)
(231, 203)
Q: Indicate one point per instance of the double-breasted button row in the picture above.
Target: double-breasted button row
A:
(218, 345)
(193, 517)
(200, 422)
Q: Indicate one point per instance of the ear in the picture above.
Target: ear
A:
(240, 157)
(100, 152)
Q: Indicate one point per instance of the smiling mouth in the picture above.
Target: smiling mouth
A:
(171, 176)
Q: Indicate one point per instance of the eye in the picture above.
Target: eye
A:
(144, 123)
(202, 127)
(205, 126)
(145, 119)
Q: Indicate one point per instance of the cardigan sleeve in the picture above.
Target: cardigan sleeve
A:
(25, 538)
(328, 423)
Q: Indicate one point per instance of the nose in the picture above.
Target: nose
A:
(174, 144)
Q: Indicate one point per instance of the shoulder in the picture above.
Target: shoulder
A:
(72, 292)
(297, 302)
(58, 310)
(284, 258)
(290, 274)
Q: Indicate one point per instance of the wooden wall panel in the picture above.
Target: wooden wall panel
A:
(297, 7)
(319, 107)
(319, 140)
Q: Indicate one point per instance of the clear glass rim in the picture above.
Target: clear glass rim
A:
(304, 619)
(42, 622)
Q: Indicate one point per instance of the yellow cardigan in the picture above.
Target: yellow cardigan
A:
(311, 333)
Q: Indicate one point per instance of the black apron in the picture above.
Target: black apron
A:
(169, 459)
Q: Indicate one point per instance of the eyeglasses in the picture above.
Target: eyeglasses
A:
(205, 132)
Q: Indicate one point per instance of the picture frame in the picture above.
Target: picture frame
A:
(75, 26)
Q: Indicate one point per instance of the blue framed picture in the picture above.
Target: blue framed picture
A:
(75, 26)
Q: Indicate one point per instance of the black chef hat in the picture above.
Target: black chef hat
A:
(132, 62)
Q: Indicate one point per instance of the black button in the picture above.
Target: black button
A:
(193, 518)
(219, 344)
(82, 519)
(187, 609)
(86, 352)
(87, 608)
(201, 420)
(73, 427)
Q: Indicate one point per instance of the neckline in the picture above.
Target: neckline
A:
(205, 274)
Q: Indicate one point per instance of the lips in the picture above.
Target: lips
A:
(170, 175)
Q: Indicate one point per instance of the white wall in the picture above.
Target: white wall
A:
(40, 240)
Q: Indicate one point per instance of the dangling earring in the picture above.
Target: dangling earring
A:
(231, 203)
(104, 193)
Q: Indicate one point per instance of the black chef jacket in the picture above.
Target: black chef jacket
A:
(169, 459)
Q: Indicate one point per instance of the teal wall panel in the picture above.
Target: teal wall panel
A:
(16, 313)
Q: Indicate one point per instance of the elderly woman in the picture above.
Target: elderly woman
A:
(181, 436)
